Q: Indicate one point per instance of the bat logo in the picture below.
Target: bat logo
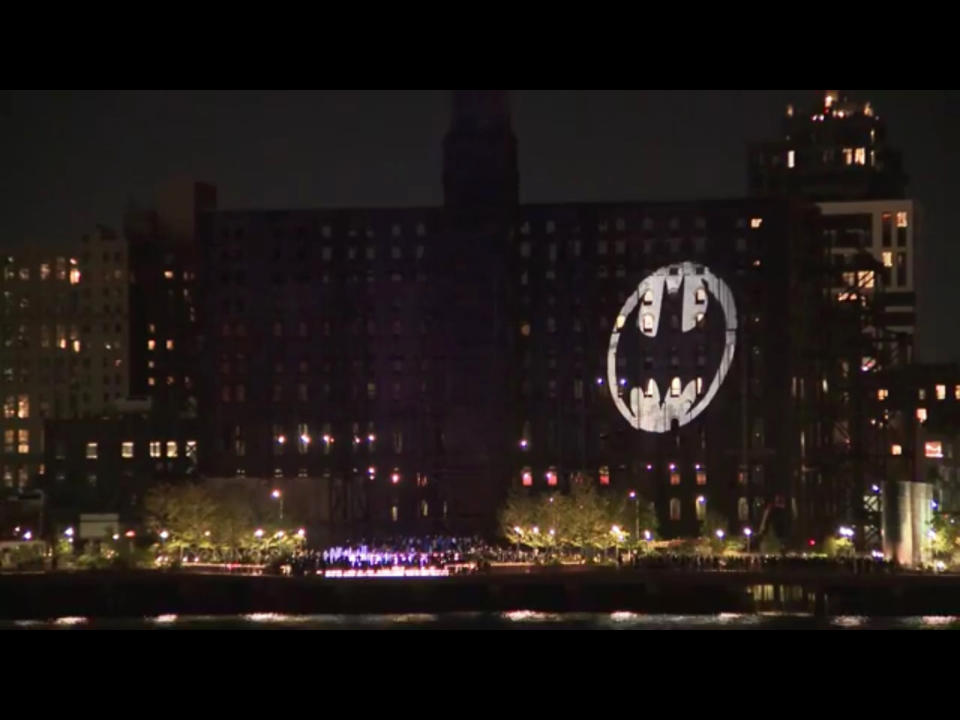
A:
(702, 326)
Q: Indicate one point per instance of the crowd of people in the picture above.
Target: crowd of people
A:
(454, 555)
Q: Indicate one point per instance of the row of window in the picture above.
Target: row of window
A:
(156, 449)
(620, 225)
(16, 441)
(939, 390)
(650, 246)
(326, 231)
(238, 393)
(63, 271)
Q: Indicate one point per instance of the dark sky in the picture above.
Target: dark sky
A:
(71, 159)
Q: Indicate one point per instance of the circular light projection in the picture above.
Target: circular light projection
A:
(702, 298)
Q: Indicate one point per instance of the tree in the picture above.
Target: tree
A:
(945, 541)
(770, 544)
(186, 512)
(710, 542)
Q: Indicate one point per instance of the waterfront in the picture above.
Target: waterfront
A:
(513, 620)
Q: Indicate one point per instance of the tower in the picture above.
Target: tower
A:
(480, 153)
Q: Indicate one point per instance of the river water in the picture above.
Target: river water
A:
(516, 620)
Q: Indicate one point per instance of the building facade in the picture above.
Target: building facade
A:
(64, 342)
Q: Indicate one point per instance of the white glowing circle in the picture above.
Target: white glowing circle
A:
(648, 409)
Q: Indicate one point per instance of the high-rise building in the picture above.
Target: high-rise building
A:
(64, 342)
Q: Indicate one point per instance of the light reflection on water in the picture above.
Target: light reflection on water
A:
(517, 619)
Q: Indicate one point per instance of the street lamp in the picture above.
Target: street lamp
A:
(518, 531)
(615, 531)
(720, 534)
(636, 514)
(277, 495)
(748, 532)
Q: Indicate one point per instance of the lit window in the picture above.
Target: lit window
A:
(848, 156)
(526, 477)
(552, 477)
(674, 508)
(424, 508)
(44, 271)
(887, 258)
(956, 392)
(701, 476)
(151, 344)
(675, 387)
(169, 344)
(91, 451)
(882, 394)
(525, 329)
(23, 442)
(126, 449)
(922, 394)
(9, 406)
(941, 391)
(648, 297)
(896, 449)
(933, 449)
(674, 476)
(647, 322)
(701, 507)
(74, 276)
(865, 279)
(922, 414)
(171, 448)
(791, 158)
(860, 156)
(168, 274)
(151, 382)
(756, 222)
(155, 448)
(191, 449)
(23, 406)
(394, 513)
(604, 475)
(699, 386)
(902, 219)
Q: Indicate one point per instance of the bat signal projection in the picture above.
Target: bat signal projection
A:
(703, 324)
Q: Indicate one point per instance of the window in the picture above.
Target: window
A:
(756, 222)
(171, 448)
(674, 508)
(701, 476)
(896, 449)
(151, 344)
(578, 389)
(901, 219)
(169, 344)
(126, 449)
(372, 390)
(743, 510)
(525, 329)
(941, 391)
(933, 449)
(860, 156)
(394, 513)
(674, 475)
(956, 392)
(91, 451)
(791, 158)
(675, 387)
(44, 271)
(155, 448)
(848, 156)
(922, 394)
(922, 414)
(886, 229)
(882, 394)
(191, 449)
(552, 477)
(887, 258)
(23, 406)
(526, 477)
(901, 269)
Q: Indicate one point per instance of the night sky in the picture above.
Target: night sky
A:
(72, 159)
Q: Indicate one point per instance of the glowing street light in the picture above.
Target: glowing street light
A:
(647, 535)
(748, 532)
(281, 439)
(720, 534)
(277, 495)
(301, 533)
(305, 439)
(536, 530)
(164, 534)
(258, 533)
(523, 443)
(68, 532)
(28, 535)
